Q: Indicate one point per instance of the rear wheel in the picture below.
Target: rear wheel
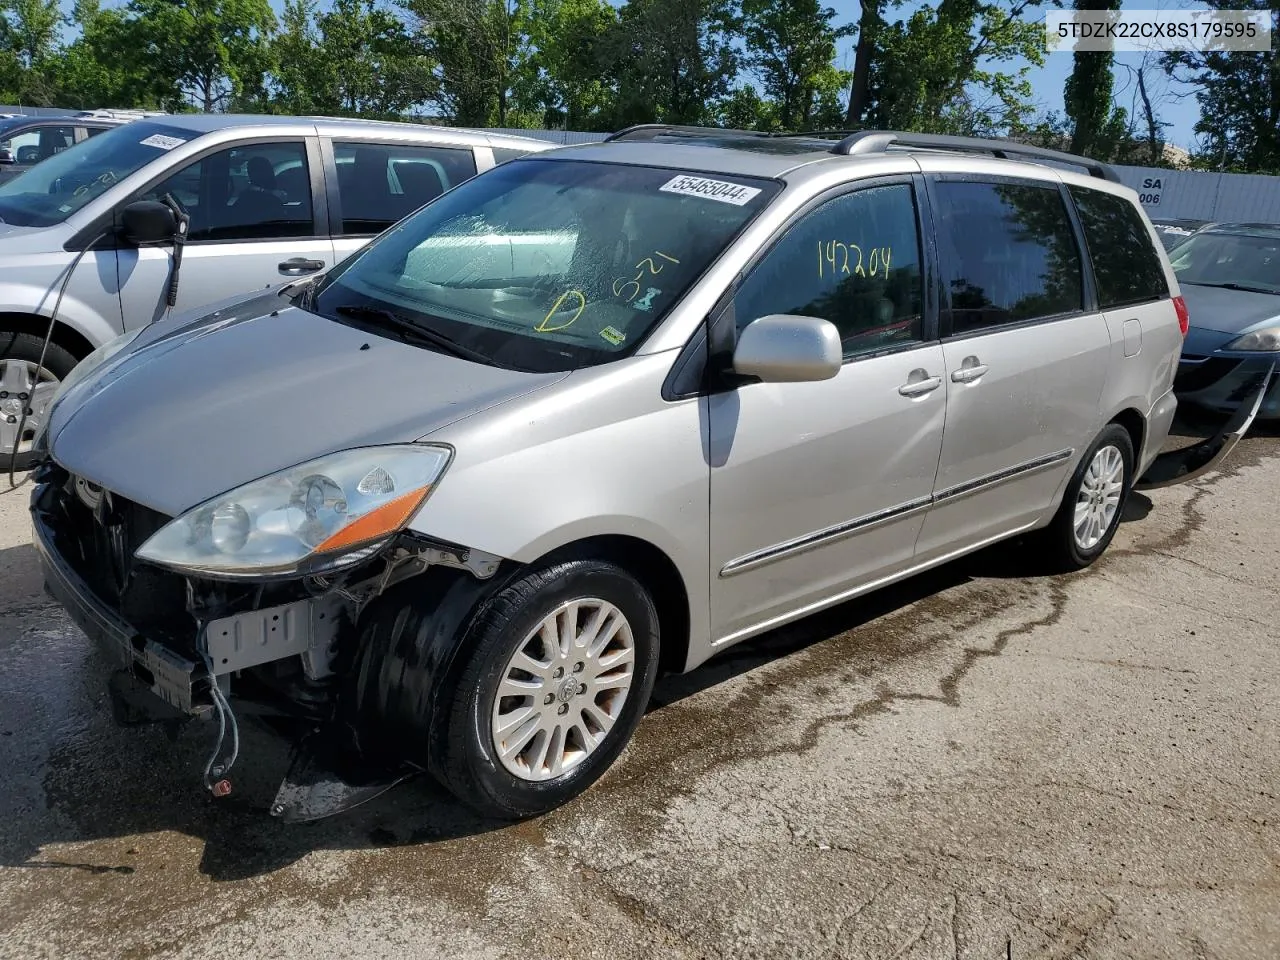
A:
(1093, 502)
(25, 386)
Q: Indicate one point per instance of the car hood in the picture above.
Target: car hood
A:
(1228, 311)
(15, 239)
(193, 410)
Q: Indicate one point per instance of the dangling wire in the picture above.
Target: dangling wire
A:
(226, 720)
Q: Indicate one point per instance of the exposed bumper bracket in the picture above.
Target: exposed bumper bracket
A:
(1190, 463)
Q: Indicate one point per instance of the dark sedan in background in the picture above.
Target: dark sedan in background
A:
(1230, 278)
(1172, 232)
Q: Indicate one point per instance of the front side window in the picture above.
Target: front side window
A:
(251, 192)
(1240, 261)
(52, 191)
(1125, 263)
(854, 261)
(379, 184)
(545, 265)
(1008, 253)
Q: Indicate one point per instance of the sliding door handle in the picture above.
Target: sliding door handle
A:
(969, 374)
(918, 388)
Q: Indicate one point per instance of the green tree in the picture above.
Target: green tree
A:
(1239, 97)
(959, 67)
(791, 45)
(371, 65)
(480, 48)
(30, 34)
(211, 53)
(1097, 126)
(563, 73)
(101, 68)
(32, 30)
(671, 61)
(299, 76)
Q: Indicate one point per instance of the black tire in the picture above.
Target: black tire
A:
(428, 686)
(25, 346)
(1061, 549)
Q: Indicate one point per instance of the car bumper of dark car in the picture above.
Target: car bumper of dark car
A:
(1223, 383)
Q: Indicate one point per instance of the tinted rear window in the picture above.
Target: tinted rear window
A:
(1125, 262)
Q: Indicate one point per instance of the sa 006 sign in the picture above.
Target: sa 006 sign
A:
(1150, 191)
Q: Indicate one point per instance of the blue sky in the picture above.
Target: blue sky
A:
(1176, 105)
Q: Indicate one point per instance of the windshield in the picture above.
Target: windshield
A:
(51, 191)
(543, 265)
(1250, 261)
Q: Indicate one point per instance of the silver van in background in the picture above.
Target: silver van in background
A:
(263, 200)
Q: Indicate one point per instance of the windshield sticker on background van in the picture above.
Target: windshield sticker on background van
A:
(720, 190)
(613, 335)
(161, 141)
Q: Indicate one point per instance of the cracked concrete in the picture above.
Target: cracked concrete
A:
(976, 764)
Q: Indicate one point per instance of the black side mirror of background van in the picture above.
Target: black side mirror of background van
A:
(148, 222)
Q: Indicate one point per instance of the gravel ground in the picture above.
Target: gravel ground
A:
(975, 764)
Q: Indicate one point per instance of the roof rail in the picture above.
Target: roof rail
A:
(879, 141)
(651, 131)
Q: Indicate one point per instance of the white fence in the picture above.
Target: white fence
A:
(1205, 196)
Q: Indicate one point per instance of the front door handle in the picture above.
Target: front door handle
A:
(971, 368)
(919, 383)
(300, 265)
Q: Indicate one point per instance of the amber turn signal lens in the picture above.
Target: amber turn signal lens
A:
(376, 524)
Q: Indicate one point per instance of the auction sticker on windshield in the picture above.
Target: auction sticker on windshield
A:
(720, 190)
(161, 141)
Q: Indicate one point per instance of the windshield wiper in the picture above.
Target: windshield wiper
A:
(408, 330)
(1232, 286)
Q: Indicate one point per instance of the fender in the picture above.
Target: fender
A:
(76, 312)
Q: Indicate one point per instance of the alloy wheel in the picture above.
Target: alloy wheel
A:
(1099, 497)
(563, 689)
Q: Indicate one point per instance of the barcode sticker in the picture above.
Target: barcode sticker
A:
(161, 141)
(719, 190)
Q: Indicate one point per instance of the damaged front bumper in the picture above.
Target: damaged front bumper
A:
(180, 644)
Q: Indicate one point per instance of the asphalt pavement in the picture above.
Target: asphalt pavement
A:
(980, 763)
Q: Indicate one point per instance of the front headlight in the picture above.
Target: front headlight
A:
(319, 515)
(1266, 340)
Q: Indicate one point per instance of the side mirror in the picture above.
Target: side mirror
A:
(146, 222)
(783, 348)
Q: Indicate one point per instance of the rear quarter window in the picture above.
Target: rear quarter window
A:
(503, 154)
(1126, 266)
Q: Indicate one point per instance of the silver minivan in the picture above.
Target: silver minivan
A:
(259, 200)
(594, 414)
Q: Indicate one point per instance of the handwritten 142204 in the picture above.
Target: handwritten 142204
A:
(835, 258)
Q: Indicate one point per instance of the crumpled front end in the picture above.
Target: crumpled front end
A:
(186, 647)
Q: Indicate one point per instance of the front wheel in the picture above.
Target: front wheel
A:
(1093, 502)
(549, 679)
